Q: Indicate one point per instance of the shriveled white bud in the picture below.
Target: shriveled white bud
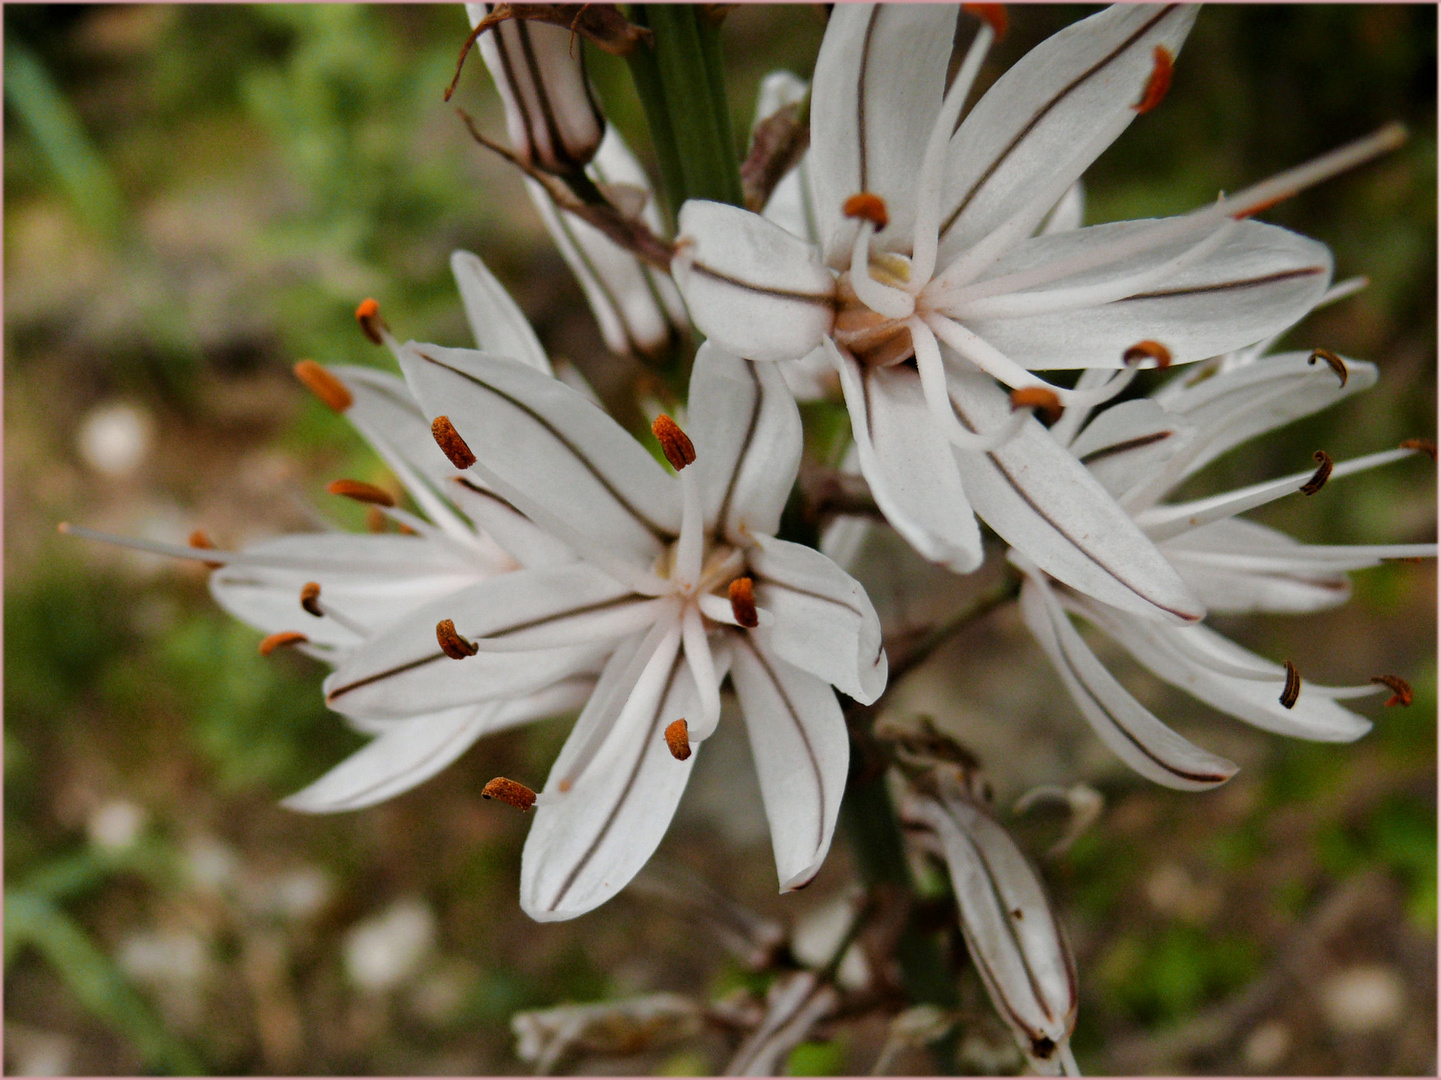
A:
(544, 1036)
(794, 1005)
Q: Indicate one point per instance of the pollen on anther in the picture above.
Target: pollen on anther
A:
(994, 14)
(450, 442)
(867, 206)
(1046, 402)
(1425, 446)
(679, 450)
(1147, 350)
(743, 602)
(1159, 82)
(199, 540)
(310, 598)
(511, 792)
(368, 316)
(677, 739)
(1292, 690)
(1335, 362)
(360, 491)
(324, 385)
(451, 643)
(276, 641)
(1399, 687)
(1320, 476)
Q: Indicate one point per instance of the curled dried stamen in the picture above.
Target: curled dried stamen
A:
(743, 602)
(994, 14)
(310, 599)
(1336, 363)
(1292, 690)
(1159, 82)
(1425, 446)
(868, 207)
(276, 641)
(677, 739)
(673, 441)
(1399, 687)
(1321, 475)
(1147, 350)
(324, 385)
(511, 792)
(451, 643)
(368, 316)
(450, 442)
(360, 491)
(1046, 402)
(199, 540)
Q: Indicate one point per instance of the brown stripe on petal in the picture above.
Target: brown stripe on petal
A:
(1292, 690)
(1159, 82)
(1425, 446)
(1046, 402)
(867, 206)
(994, 14)
(310, 598)
(450, 443)
(677, 739)
(360, 491)
(1399, 687)
(511, 792)
(276, 641)
(451, 643)
(678, 448)
(1336, 363)
(1147, 350)
(1321, 475)
(368, 316)
(324, 385)
(743, 602)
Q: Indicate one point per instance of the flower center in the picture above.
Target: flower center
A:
(872, 337)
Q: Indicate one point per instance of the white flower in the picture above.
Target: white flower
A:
(674, 584)
(926, 251)
(1141, 450)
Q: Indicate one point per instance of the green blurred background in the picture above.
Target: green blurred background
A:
(197, 197)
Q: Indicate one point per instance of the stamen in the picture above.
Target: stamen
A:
(310, 599)
(677, 446)
(677, 740)
(1399, 687)
(743, 602)
(1147, 350)
(199, 540)
(1337, 364)
(511, 792)
(360, 491)
(1322, 474)
(1425, 446)
(375, 520)
(1046, 402)
(867, 206)
(368, 316)
(994, 14)
(1292, 689)
(324, 385)
(276, 641)
(450, 443)
(1159, 82)
(451, 643)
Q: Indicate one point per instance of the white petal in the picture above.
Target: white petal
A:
(408, 753)
(1226, 588)
(1085, 78)
(1069, 211)
(587, 844)
(801, 749)
(1046, 504)
(499, 326)
(908, 462)
(823, 620)
(1122, 722)
(747, 435)
(1129, 442)
(879, 81)
(521, 538)
(556, 457)
(383, 406)
(760, 292)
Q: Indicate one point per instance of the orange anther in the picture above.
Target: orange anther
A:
(1399, 687)
(1159, 82)
(1292, 690)
(677, 739)
(511, 792)
(1425, 446)
(994, 14)
(1147, 350)
(1321, 475)
(451, 643)
(743, 602)
(1046, 402)
(360, 491)
(868, 207)
(324, 385)
(673, 441)
(310, 598)
(450, 442)
(1336, 363)
(199, 540)
(375, 519)
(276, 641)
(368, 316)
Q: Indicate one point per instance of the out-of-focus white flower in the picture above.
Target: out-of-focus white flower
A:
(544, 1036)
(383, 952)
(114, 439)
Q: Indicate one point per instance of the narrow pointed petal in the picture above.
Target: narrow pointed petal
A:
(408, 753)
(1046, 504)
(499, 326)
(1069, 211)
(383, 406)
(566, 696)
(1088, 77)
(909, 463)
(801, 749)
(1131, 731)
(555, 456)
(755, 289)
(1128, 442)
(1230, 587)
(747, 434)
(521, 538)
(588, 843)
(823, 620)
